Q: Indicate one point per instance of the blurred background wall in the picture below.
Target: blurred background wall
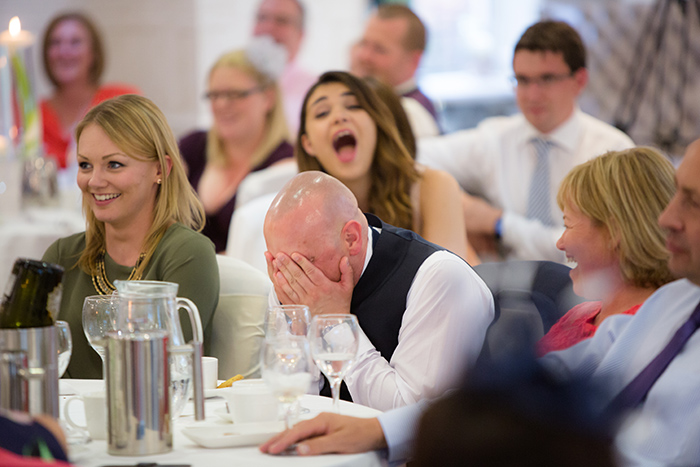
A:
(166, 47)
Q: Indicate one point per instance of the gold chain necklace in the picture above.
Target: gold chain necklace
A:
(100, 280)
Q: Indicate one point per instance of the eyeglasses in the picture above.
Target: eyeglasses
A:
(231, 94)
(543, 81)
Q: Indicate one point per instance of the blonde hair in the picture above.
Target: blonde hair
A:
(277, 130)
(140, 129)
(625, 192)
(392, 172)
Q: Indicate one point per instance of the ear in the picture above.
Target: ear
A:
(581, 79)
(414, 57)
(306, 144)
(168, 166)
(351, 237)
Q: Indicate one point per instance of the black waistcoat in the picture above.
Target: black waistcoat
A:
(379, 297)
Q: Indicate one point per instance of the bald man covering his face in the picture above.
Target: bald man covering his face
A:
(422, 310)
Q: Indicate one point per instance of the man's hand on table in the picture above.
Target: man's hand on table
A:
(297, 281)
(329, 433)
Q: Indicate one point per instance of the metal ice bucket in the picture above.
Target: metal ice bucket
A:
(29, 370)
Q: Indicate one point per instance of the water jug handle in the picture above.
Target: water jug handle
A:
(197, 353)
(195, 320)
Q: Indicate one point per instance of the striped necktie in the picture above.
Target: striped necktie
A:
(636, 391)
(538, 201)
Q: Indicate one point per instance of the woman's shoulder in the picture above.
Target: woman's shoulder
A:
(180, 236)
(433, 181)
(193, 143)
(65, 249)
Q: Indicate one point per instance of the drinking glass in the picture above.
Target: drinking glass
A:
(64, 343)
(65, 346)
(281, 320)
(99, 317)
(286, 368)
(334, 340)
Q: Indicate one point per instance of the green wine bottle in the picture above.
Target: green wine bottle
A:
(32, 296)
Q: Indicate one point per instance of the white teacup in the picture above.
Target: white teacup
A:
(95, 406)
(251, 401)
(210, 372)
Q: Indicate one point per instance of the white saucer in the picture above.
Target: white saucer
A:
(210, 393)
(224, 415)
(244, 434)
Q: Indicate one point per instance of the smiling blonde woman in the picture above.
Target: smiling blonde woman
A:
(142, 219)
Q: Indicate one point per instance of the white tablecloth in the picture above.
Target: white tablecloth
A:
(30, 233)
(185, 451)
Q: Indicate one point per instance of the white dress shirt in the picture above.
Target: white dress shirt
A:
(448, 310)
(666, 428)
(496, 160)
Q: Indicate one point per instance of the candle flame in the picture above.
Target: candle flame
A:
(15, 26)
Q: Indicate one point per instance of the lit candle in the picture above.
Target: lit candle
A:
(20, 111)
(14, 37)
(6, 121)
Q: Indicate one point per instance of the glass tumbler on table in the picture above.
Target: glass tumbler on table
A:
(286, 368)
(334, 341)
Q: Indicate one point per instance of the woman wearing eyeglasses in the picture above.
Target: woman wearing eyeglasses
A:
(249, 131)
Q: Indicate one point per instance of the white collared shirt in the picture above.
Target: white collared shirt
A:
(496, 160)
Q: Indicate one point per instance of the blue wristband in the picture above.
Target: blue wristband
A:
(498, 227)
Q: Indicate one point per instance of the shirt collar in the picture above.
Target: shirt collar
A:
(406, 87)
(370, 247)
(565, 136)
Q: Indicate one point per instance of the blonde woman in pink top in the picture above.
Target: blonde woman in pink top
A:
(611, 205)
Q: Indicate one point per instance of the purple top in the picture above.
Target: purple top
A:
(194, 149)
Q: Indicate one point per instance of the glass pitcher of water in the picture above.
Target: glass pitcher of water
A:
(148, 305)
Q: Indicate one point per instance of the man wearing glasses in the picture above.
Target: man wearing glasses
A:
(510, 167)
(283, 20)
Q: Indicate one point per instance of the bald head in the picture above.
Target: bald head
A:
(317, 216)
(314, 198)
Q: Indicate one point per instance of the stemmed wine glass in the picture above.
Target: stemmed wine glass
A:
(64, 345)
(99, 317)
(281, 320)
(286, 368)
(334, 340)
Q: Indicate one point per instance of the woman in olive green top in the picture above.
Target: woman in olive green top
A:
(141, 215)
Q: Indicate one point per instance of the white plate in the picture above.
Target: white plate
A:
(244, 434)
(209, 393)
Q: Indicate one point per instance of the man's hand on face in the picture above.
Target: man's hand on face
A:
(298, 281)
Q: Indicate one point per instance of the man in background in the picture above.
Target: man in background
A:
(390, 50)
(511, 166)
(283, 20)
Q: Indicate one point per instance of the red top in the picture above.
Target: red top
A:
(57, 139)
(575, 326)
